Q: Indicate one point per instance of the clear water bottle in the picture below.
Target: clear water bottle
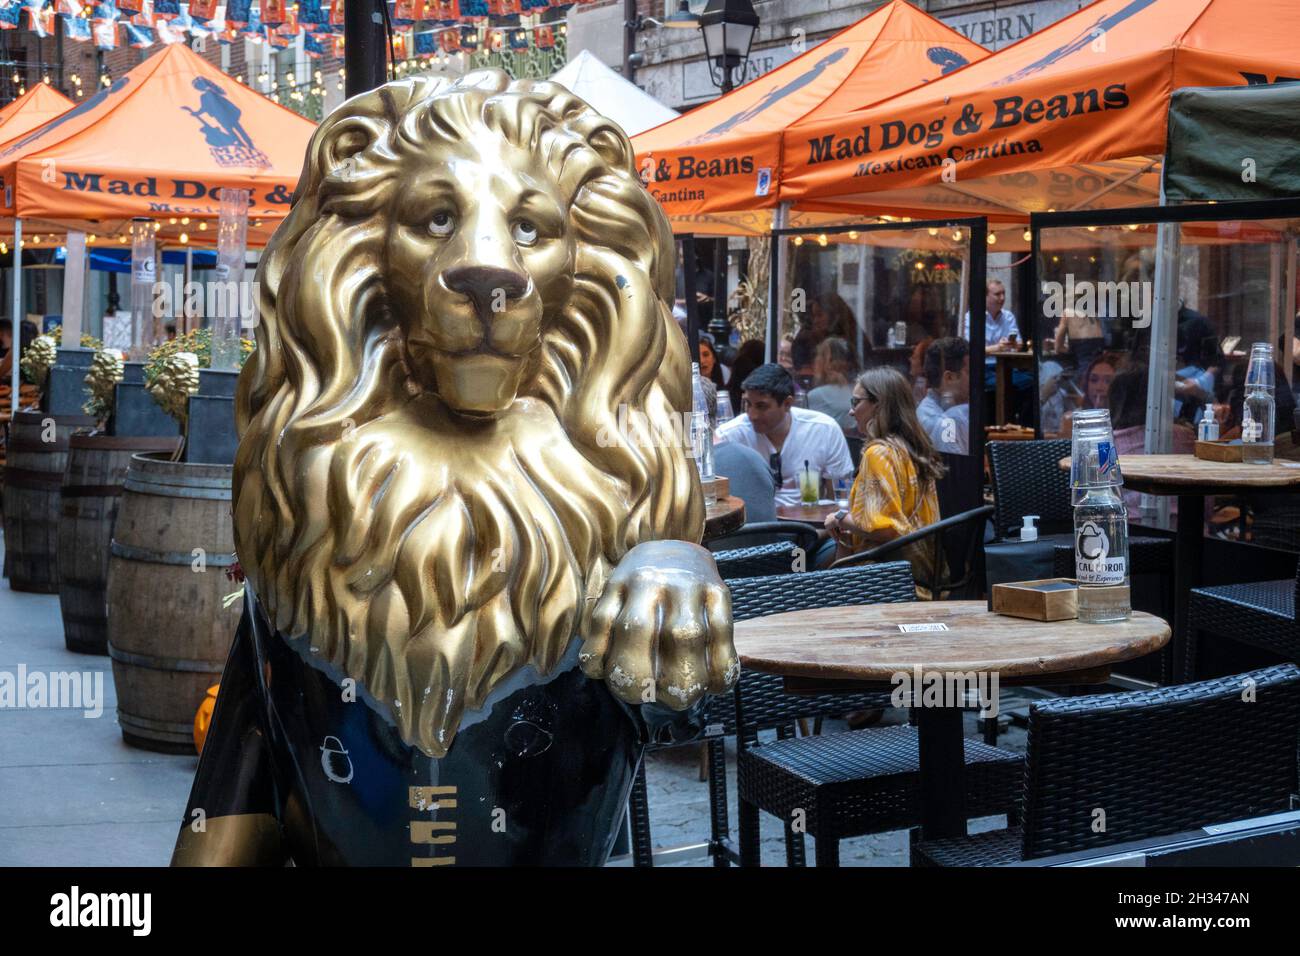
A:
(701, 434)
(1100, 521)
(1258, 411)
(725, 414)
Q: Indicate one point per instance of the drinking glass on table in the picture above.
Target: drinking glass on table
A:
(842, 486)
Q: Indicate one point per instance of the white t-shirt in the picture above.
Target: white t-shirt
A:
(813, 437)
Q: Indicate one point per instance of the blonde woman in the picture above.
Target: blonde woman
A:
(895, 490)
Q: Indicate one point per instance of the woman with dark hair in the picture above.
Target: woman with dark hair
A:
(710, 367)
(833, 372)
(895, 492)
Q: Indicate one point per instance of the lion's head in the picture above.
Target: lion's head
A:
(434, 478)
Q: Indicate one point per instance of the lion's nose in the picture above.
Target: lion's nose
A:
(488, 287)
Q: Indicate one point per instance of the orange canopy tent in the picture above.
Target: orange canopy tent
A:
(160, 142)
(725, 157)
(34, 108)
(1071, 117)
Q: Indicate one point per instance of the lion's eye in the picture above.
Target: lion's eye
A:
(441, 224)
(524, 232)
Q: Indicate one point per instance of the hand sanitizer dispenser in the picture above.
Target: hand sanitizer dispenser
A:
(1029, 531)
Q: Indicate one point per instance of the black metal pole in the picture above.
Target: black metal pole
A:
(629, 40)
(365, 46)
(688, 288)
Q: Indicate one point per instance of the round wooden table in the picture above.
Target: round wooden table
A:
(724, 517)
(814, 515)
(874, 647)
(1191, 479)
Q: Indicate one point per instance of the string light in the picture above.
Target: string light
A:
(185, 237)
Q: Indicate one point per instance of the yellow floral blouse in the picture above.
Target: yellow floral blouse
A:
(887, 493)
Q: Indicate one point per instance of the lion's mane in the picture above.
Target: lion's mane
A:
(429, 556)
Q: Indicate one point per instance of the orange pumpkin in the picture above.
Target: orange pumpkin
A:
(203, 717)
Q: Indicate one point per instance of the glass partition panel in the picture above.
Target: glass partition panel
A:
(1115, 327)
(854, 299)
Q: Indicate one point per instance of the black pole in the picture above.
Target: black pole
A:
(688, 288)
(629, 40)
(365, 46)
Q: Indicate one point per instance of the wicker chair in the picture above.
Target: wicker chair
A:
(954, 540)
(1264, 615)
(761, 560)
(795, 533)
(1154, 762)
(847, 784)
(1028, 480)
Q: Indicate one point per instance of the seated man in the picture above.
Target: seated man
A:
(944, 413)
(1001, 334)
(787, 437)
(751, 479)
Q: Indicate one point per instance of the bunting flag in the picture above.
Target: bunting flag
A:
(503, 8)
(338, 46)
(273, 12)
(426, 43)
(145, 17)
(445, 12)
(469, 38)
(10, 15)
(313, 45)
(76, 29)
(237, 13)
(140, 38)
(405, 12)
(40, 19)
(168, 32)
(203, 10)
(518, 39)
(166, 9)
(129, 6)
(473, 10)
(68, 8)
(336, 16)
(311, 13)
(105, 33)
(290, 26)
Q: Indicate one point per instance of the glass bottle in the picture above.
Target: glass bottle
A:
(1100, 521)
(1258, 411)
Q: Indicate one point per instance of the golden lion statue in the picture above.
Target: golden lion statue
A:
(442, 526)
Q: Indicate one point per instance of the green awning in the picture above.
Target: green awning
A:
(1233, 143)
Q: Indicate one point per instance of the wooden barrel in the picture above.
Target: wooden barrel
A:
(35, 456)
(91, 492)
(168, 635)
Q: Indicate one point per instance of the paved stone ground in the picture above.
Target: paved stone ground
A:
(73, 794)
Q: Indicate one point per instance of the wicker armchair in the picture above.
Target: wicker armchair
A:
(761, 560)
(954, 542)
(1028, 480)
(795, 533)
(1145, 764)
(1264, 615)
(847, 784)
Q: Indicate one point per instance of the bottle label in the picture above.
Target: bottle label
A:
(1093, 562)
(1106, 459)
